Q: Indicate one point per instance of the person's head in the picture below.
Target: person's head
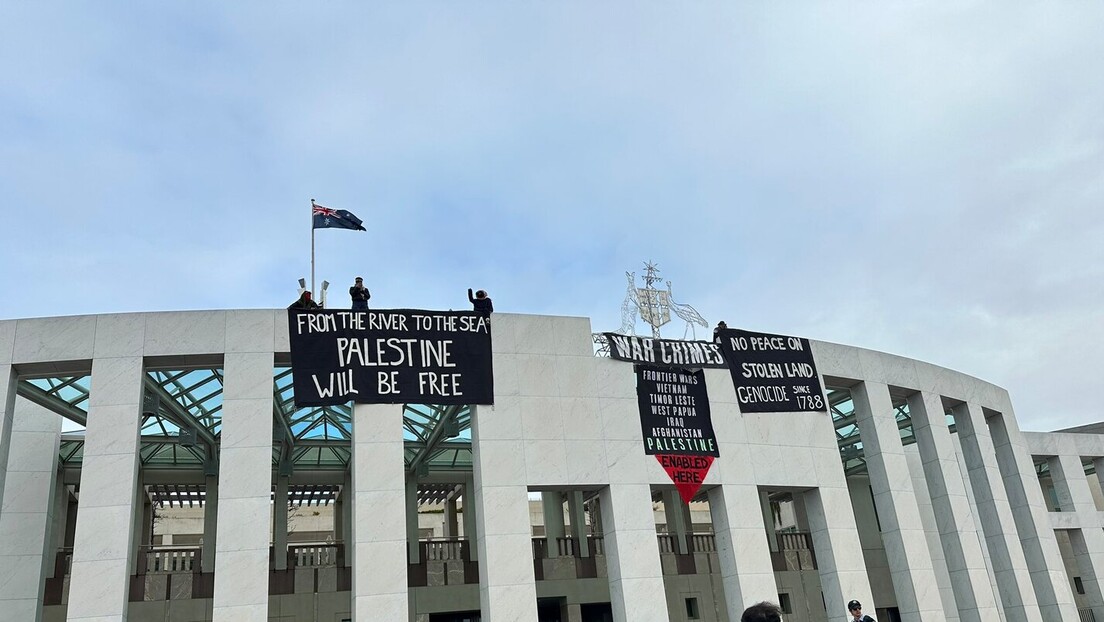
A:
(722, 324)
(359, 282)
(855, 607)
(306, 296)
(762, 612)
(480, 294)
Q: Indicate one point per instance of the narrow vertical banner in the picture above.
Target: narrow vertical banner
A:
(676, 425)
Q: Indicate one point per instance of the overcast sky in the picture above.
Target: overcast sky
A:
(922, 179)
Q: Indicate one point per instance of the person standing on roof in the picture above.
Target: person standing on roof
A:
(481, 303)
(304, 302)
(360, 295)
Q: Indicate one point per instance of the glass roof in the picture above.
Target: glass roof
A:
(847, 432)
(182, 423)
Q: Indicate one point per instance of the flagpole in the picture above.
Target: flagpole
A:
(312, 248)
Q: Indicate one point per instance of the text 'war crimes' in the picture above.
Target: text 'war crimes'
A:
(307, 323)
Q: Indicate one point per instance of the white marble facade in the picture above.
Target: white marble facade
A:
(566, 420)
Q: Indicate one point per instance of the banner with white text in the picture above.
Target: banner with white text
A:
(676, 425)
(390, 356)
(668, 352)
(772, 373)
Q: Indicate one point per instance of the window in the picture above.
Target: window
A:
(692, 609)
(784, 603)
(1078, 585)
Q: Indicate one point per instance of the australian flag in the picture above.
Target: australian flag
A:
(326, 218)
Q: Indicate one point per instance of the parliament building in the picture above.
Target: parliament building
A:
(157, 467)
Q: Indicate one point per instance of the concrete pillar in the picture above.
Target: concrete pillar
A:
(838, 551)
(961, 545)
(577, 510)
(632, 555)
(104, 540)
(59, 517)
(143, 525)
(910, 562)
(676, 520)
(347, 516)
(507, 586)
(552, 506)
(210, 523)
(413, 550)
(339, 517)
(768, 520)
(379, 523)
(451, 526)
(995, 515)
(28, 511)
(468, 510)
(1072, 488)
(244, 490)
(742, 548)
(1029, 511)
(8, 385)
(280, 523)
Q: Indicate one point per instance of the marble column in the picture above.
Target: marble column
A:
(468, 511)
(995, 516)
(768, 520)
(339, 518)
(676, 520)
(280, 523)
(143, 525)
(632, 554)
(210, 523)
(451, 526)
(413, 534)
(244, 490)
(552, 507)
(577, 510)
(503, 536)
(379, 521)
(28, 511)
(838, 551)
(959, 539)
(1072, 488)
(104, 541)
(906, 546)
(1029, 511)
(742, 548)
(8, 384)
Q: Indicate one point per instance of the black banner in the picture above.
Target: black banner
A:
(390, 356)
(674, 412)
(667, 352)
(772, 373)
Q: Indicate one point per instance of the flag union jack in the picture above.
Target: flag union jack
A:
(328, 218)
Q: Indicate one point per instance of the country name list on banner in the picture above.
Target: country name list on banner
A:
(772, 373)
(676, 425)
(393, 356)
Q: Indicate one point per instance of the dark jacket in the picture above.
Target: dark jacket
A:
(482, 306)
(304, 302)
(359, 294)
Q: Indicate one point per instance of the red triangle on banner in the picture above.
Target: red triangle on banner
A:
(687, 472)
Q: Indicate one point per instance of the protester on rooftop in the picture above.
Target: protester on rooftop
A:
(304, 302)
(360, 295)
(481, 303)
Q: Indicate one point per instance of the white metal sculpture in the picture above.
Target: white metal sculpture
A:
(652, 305)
